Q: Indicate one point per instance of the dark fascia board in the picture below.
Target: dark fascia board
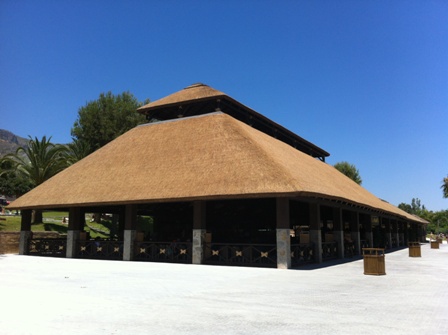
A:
(225, 100)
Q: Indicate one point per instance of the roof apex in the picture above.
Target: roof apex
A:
(194, 92)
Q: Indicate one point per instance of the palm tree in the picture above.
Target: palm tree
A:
(37, 162)
(76, 151)
(444, 187)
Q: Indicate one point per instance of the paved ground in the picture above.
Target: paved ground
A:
(71, 296)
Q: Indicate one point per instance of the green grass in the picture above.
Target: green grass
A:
(53, 221)
(12, 223)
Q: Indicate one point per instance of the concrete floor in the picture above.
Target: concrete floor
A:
(72, 296)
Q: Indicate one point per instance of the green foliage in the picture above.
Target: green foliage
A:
(414, 208)
(34, 164)
(76, 151)
(10, 184)
(438, 221)
(349, 170)
(37, 162)
(102, 120)
(444, 187)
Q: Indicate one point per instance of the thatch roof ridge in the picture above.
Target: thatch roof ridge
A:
(190, 93)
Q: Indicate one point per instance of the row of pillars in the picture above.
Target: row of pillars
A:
(283, 231)
(128, 220)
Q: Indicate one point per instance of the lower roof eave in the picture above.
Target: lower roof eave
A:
(304, 196)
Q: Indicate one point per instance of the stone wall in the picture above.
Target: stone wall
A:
(9, 241)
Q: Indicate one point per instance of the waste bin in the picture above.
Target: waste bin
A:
(434, 245)
(374, 262)
(414, 249)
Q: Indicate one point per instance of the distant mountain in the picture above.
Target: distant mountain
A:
(10, 142)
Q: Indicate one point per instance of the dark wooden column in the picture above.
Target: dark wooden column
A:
(283, 234)
(388, 231)
(367, 225)
(394, 228)
(25, 232)
(128, 220)
(76, 221)
(199, 231)
(338, 230)
(315, 231)
(354, 231)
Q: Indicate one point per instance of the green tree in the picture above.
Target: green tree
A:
(10, 184)
(35, 163)
(438, 221)
(415, 207)
(102, 120)
(350, 171)
(444, 187)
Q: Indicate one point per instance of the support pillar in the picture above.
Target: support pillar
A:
(338, 231)
(283, 234)
(25, 232)
(354, 232)
(401, 235)
(199, 230)
(422, 233)
(75, 224)
(395, 229)
(387, 227)
(130, 232)
(367, 224)
(315, 232)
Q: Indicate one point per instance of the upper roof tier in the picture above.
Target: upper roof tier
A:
(199, 99)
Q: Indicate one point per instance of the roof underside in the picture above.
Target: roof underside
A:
(201, 99)
(212, 156)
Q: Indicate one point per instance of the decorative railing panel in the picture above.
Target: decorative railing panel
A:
(302, 254)
(349, 249)
(173, 252)
(394, 242)
(241, 254)
(329, 250)
(365, 244)
(100, 249)
(54, 247)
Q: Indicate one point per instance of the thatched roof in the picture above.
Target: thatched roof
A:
(198, 99)
(212, 156)
(192, 93)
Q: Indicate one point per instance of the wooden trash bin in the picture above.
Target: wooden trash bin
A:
(434, 245)
(415, 249)
(374, 262)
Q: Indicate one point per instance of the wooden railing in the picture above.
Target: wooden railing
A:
(349, 249)
(54, 247)
(329, 250)
(302, 254)
(100, 249)
(263, 255)
(173, 252)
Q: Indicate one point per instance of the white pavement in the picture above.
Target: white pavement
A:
(72, 296)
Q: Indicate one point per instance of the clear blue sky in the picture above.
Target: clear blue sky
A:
(365, 80)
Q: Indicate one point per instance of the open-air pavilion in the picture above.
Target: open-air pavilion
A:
(223, 184)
